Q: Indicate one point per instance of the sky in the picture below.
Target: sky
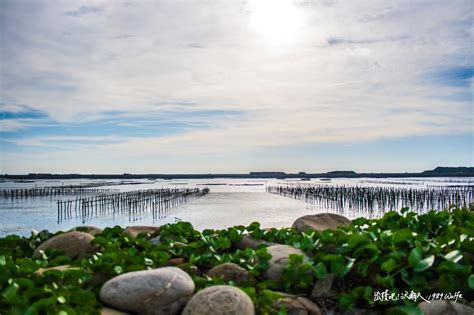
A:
(235, 86)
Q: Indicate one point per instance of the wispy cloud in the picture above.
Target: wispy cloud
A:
(84, 10)
(155, 80)
(195, 45)
(341, 41)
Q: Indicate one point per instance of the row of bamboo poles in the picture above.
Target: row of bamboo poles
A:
(378, 199)
(132, 204)
(52, 191)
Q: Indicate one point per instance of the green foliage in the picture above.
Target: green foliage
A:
(399, 252)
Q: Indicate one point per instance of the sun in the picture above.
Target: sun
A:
(277, 21)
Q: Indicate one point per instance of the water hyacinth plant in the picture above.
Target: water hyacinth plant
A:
(430, 255)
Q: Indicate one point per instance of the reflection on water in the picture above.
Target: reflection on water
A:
(230, 202)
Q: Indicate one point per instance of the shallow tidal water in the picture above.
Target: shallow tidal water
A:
(230, 202)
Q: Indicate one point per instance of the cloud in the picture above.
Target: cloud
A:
(341, 41)
(195, 45)
(85, 10)
(59, 142)
(352, 72)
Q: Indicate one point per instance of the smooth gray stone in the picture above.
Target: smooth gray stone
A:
(443, 307)
(162, 291)
(220, 300)
(74, 244)
(320, 222)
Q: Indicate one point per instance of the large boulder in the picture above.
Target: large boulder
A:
(220, 300)
(443, 307)
(280, 258)
(320, 222)
(162, 291)
(230, 272)
(93, 230)
(134, 231)
(74, 244)
(297, 305)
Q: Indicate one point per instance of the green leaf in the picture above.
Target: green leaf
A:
(416, 281)
(118, 269)
(370, 251)
(404, 310)
(10, 293)
(389, 265)
(3, 261)
(386, 281)
(43, 303)
(357, 239)
(470, 281)
(27, 265)
(425, 263)
(403, 235)
(100, 240)
(30, 311)
(447, 283)
(83, 297)
(397, 255)
(415, 257)
(347, 301)
(468, 246)
(454, 268)
(25, 283)
(340, 267)
(320, 270)
(61, 299)
(234, 235)
(453, 256)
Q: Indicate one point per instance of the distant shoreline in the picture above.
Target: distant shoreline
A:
(437, 172)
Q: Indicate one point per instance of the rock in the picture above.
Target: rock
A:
(354, 311)
(297, 305)
(320, 222)
(230, 272)
(443, 307)
(247, 241)
(134, 231)
(176, 261)
(74, 244)
(326, 287)
(110, 311)
(150, 292)
(220, 300)
(62, 268)
(92, 230)
(280, 257)
(156, 240)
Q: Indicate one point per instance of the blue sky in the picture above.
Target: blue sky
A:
(235, 86)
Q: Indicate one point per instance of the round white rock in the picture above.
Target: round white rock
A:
(150, 292)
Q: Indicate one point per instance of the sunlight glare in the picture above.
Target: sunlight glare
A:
(277, 21)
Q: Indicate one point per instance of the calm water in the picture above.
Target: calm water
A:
(230, 202)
